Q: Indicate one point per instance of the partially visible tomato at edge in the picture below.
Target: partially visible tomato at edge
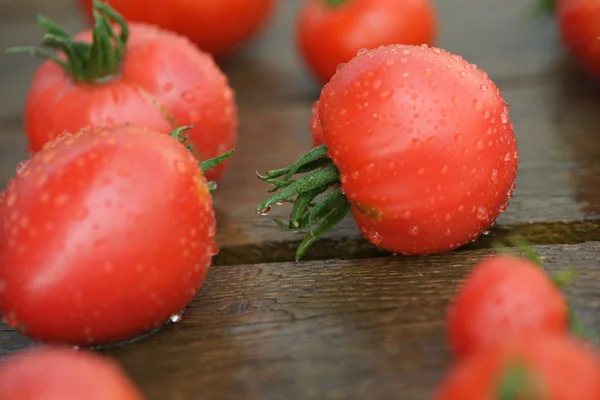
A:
(578, 22)
(504, 297)
(331, 32)
(219, 27)
(51, 373)
(104, 235)
(424, 144)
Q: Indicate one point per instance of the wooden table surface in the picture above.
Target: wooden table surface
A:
(352, 322)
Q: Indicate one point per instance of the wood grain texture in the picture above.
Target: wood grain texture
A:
(322, 330)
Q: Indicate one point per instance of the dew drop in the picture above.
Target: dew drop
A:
(481, 213)
(376, 238)
(414, 231)
(168, 87)
(264, 212)
(175, 318)
(479, 144)
(484, 88)
(494, 176)
(504, 118)
(188, 97)
(444, 170)
(458, 138)
(417, 144)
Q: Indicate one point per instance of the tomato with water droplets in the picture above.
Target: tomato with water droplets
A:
(150, 77)
(503, 297)
(219, 27)
(104, 235)
(418, 145)
(331, 32)
(50, 373)
(535, 366)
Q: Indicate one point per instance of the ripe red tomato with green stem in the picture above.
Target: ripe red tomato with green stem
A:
(537, 366)
(64, 374)
(331, 32)
(218, 27)
(418, 146)
(104, 235)
(128, 73)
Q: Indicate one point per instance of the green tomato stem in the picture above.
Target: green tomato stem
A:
(319, 204)
(335, 3)
(85, 62)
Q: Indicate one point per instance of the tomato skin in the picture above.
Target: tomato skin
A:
(165, 83)
(64, 374)
(502, 297)
(327, 36)
(565, 368)
(104, 236)
(424, 145)
(217, 27)
(315, 125)
(578, 22)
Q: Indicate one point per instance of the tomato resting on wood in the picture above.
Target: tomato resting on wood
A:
(146, 76)
(418, 145)
(218, 27)
(64, 374)
(104, 235)
(548, 367)
(503, 297)
(330, 32)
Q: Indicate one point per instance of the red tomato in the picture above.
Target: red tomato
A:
(163, 82)
(504, 296)
(578, 22)
(534, 367)
(315, 125)
(218, 27)
(104, 235)
(331, 32)
(64, 374)
(424, 145)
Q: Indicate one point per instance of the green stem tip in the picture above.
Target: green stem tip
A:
(85, 62)
(181, 137)
(318, 202)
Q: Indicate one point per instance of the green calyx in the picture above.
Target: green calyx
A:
(518, 384)
(561, 280)
(318, 202)
(335, 3)
(85, 62)
(543, 8)
(211, 163)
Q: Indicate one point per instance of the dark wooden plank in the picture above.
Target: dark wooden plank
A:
(558, 187)
(327, 330)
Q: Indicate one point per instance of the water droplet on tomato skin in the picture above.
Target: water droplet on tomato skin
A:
(482, 213)
(414, 231)
(188, 97)
(417, 144)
